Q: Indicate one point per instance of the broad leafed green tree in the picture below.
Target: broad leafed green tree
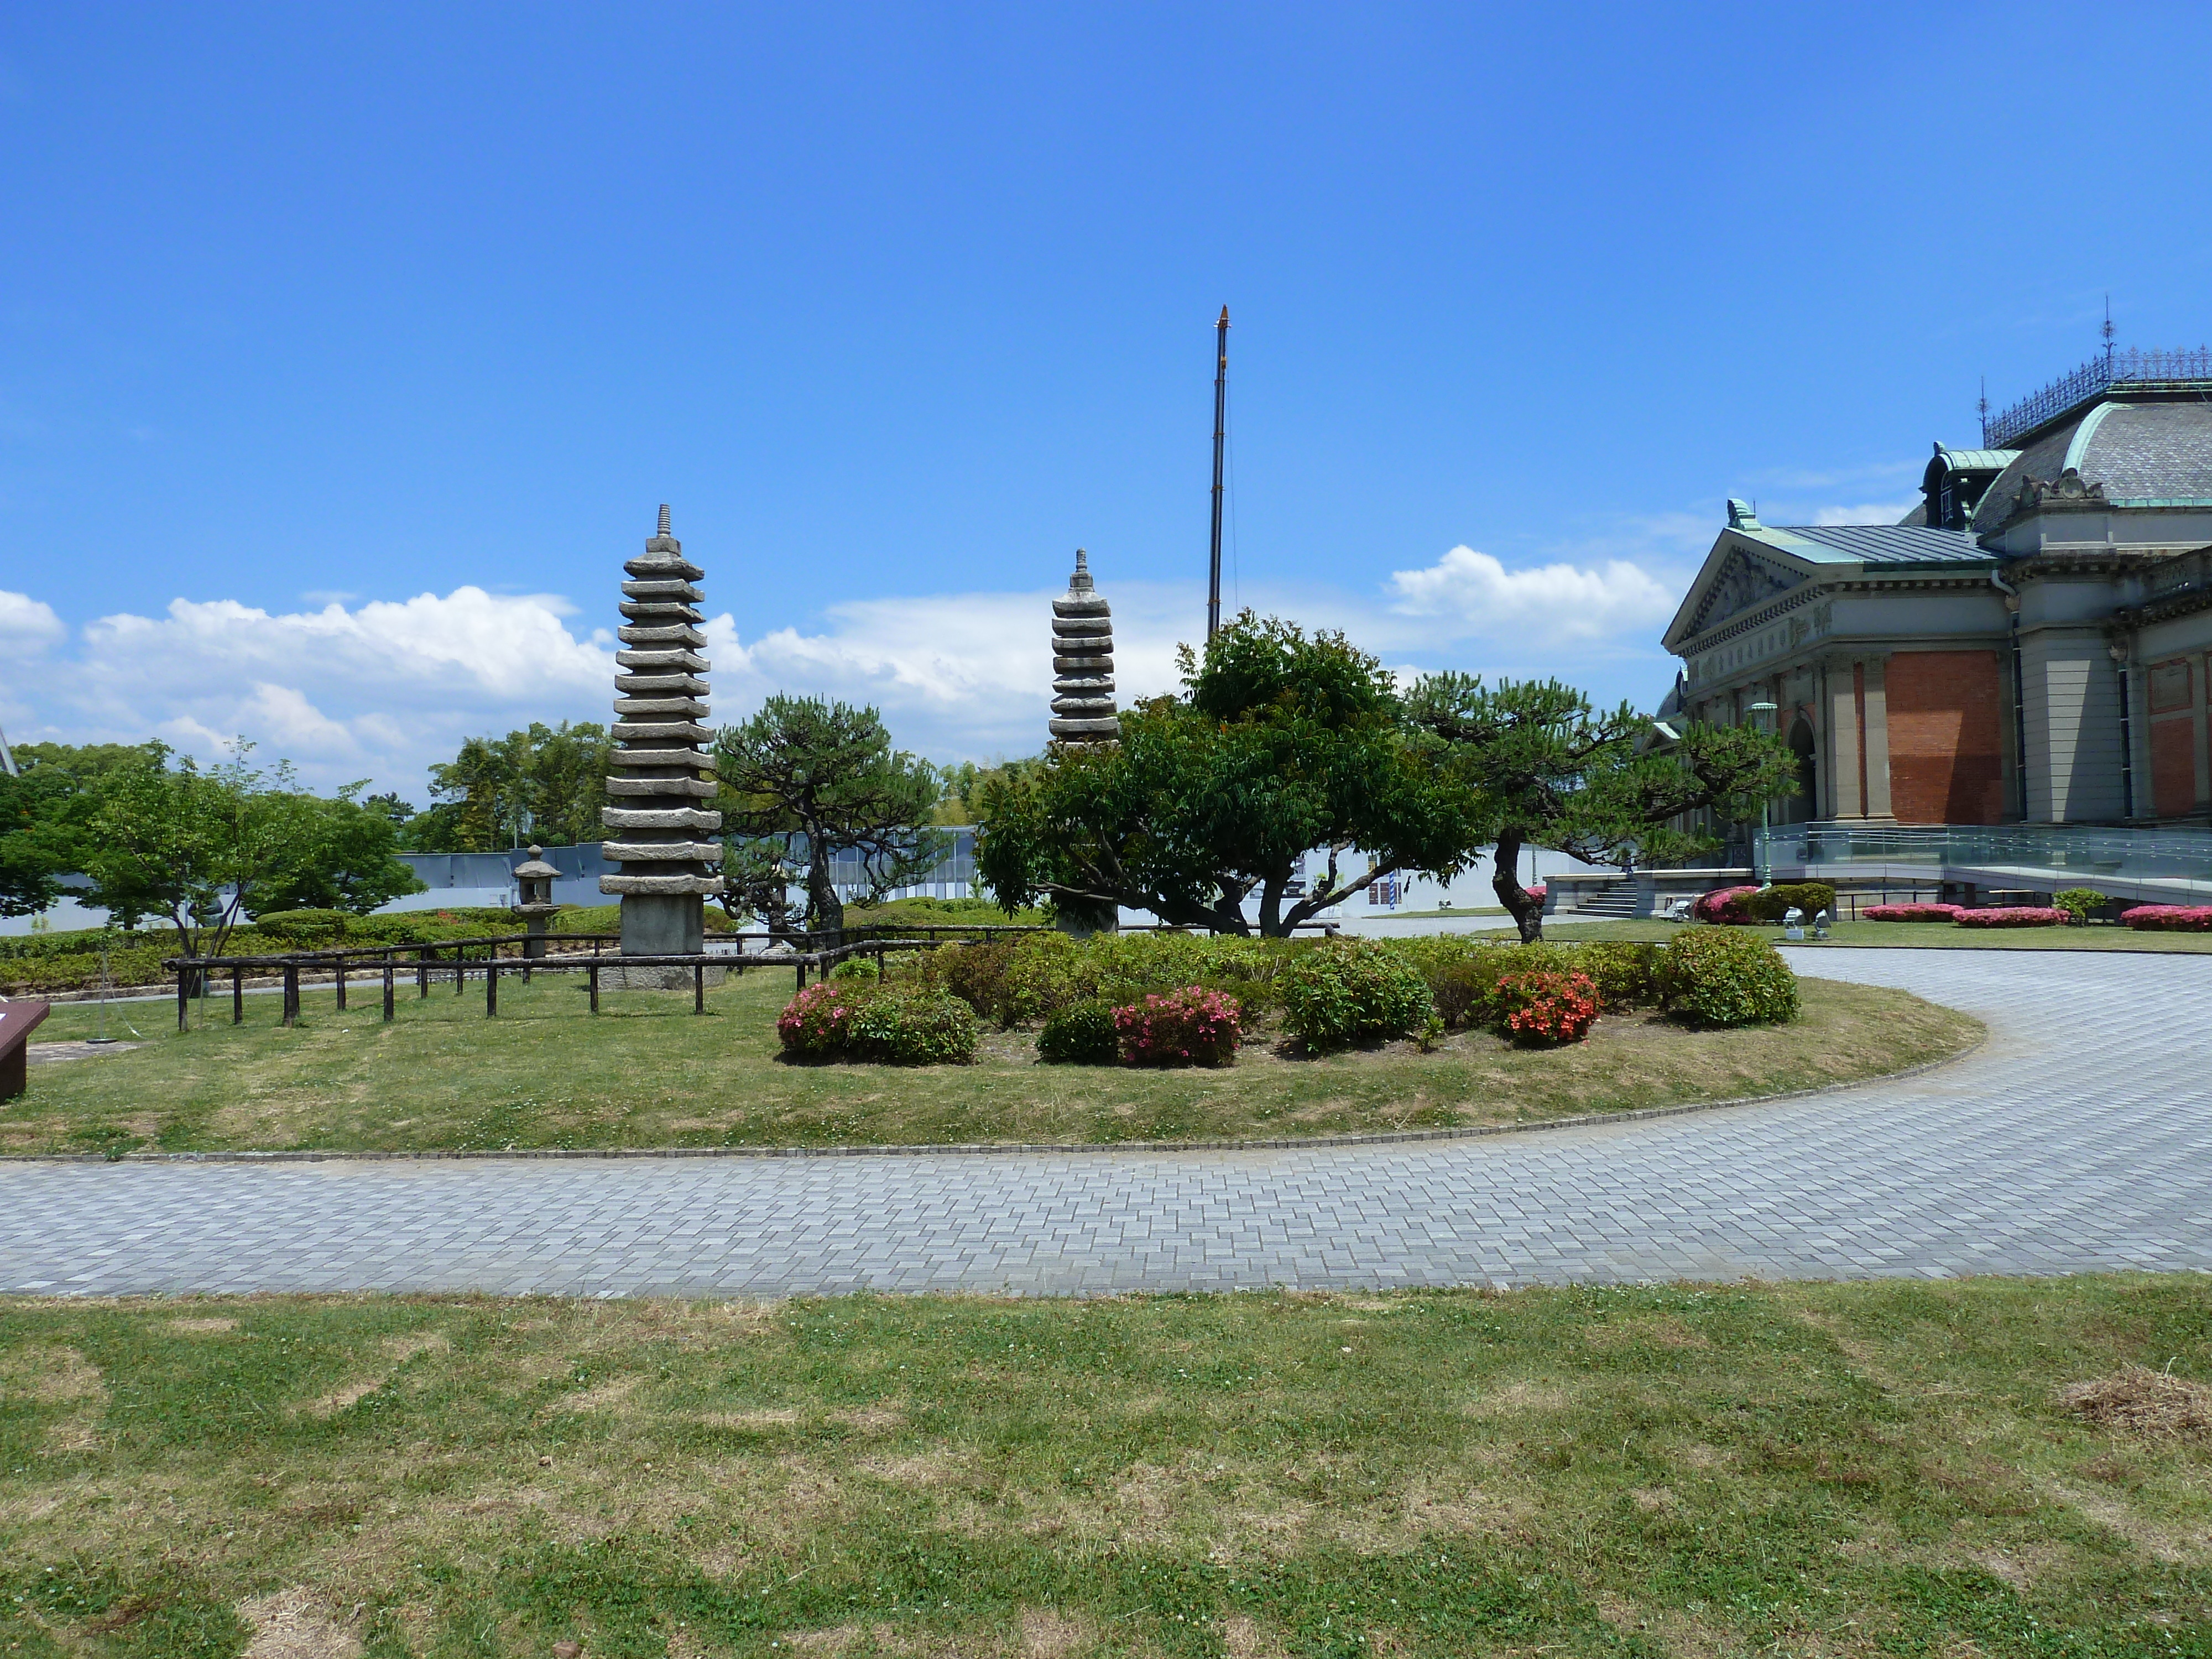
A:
(542, 783)
(197, 846)
(44, 813)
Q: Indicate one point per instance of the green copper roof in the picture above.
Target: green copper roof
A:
(1873, 543)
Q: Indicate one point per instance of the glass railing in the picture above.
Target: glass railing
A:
(2060, 849)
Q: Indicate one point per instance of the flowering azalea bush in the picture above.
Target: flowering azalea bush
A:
(2015, 915)
(1725, 906)
(1540, 1009)
(860, 1020)
(1911, 913)
(1190, 1027)
(2169, 918)
(818, 1021)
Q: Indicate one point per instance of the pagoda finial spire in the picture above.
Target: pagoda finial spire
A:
(664, 518)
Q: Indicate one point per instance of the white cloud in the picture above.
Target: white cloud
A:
(385, 688)
(1475, 594)
(1866, 513)
(27, 624)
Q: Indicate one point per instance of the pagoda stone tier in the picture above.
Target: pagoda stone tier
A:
(663, 762)
(1083, 662)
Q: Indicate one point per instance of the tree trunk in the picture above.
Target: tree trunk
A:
(1270, 908)
(823, 904)
(1526, 909)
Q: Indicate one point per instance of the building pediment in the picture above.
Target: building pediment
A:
(1735, 580)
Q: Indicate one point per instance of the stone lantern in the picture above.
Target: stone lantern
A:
(534, 877)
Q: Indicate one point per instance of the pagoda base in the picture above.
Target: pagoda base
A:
(662, 925)
(614, 976)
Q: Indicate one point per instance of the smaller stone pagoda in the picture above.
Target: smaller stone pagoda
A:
(1083, 662)
(662, 775)
(533, 881)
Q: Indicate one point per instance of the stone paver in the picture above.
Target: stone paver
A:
(2079, 1138)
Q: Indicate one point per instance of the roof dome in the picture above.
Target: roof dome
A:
(2143, 454)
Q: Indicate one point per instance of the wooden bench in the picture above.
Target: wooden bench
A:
(17, 1021)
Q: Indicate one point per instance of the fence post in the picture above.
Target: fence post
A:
(184, 1000)
(291, 991)
(423, 970)
(594, 971)
(238, 996)
(698, 989)
(387, 987)
(491, 987)
(341, 986)
(460, 969)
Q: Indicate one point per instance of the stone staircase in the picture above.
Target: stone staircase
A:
(1615, 902)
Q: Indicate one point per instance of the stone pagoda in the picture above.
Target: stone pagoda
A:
(1083, 662)
(662, 777)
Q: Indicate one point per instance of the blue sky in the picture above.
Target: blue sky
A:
(348, 351)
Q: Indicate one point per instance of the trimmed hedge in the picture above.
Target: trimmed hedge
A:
(1945, 913)
(1772, 903)
(2014, 915)
(1725, 907)
(2169, 918)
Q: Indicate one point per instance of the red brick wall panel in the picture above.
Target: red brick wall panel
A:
(1946, 736)
(2173, 766)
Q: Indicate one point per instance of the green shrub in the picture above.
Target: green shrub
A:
(1081, 1034)
(1353, 991)
(2079, 902)
(1046, 973)
(908, 1027)
(1460, 992)
(1772, 903)
(975, 972)
(1626, 974)
(1715, 976)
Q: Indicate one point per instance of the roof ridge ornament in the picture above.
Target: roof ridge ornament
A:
(1742, 517)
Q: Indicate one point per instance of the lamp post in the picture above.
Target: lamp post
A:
(1765, 711)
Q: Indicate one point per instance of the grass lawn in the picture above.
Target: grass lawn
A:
(1922, 935)
(1818, 1469)
(649, 1072)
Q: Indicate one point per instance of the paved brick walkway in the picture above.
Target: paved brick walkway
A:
(2080, 1137)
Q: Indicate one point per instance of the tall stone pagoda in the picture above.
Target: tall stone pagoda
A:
(662, 776)
(1083, 662)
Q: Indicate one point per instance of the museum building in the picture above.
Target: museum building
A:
(2029, 645)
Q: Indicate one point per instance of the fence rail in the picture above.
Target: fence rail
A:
(2130, 368)
(489, 958)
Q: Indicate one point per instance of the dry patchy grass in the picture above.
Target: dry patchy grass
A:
(1678, 1470)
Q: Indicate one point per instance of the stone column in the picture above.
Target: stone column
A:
(662, 776)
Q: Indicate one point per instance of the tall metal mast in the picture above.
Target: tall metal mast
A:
(7, 757)
(1220, 425)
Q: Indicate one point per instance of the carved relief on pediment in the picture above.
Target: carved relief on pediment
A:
(1743, 583)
